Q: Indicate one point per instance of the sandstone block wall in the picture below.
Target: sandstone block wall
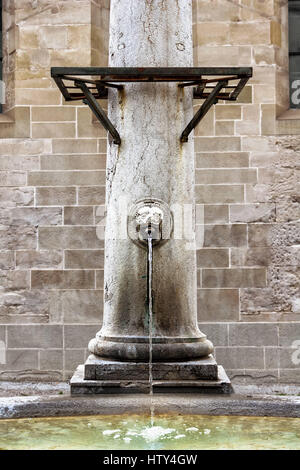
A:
(52, 177)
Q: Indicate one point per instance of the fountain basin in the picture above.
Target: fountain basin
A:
(134, 432)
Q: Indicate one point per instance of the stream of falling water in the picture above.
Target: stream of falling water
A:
(150, 307)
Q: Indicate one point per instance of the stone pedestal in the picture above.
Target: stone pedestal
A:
(99, 376)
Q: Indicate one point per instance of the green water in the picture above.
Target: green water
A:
(135, 432)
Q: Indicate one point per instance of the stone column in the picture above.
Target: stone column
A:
(150, 163)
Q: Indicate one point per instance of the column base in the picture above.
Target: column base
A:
(163, 348)
(100, 376)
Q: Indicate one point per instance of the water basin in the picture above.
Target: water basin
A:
(135, 432)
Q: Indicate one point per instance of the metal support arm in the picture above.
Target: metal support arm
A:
(95, 107)
(208, 103)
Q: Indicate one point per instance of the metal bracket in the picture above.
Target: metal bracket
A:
(208, 103)
(95, 107)
(209, 89)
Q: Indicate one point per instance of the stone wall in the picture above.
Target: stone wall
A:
(52, 177)
(248, 180)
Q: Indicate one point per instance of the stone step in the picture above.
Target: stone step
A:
(96, 368)
(81, 386)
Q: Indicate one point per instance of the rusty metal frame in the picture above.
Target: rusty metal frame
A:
(210, 84)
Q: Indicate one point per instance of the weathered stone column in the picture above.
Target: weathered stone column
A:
(150, 163)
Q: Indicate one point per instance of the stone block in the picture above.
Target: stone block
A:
(289, 333)
(258, 193)
(24, 147)
(260, 234)
(69, 238)
(246, 95)
(214, 194)
(225, 235)
(222, 160)
(73, 162)
(101, 369)
(264, 94)
(226, 175)
(216, 214)
(263, 159)
(27, 37)
(222, 11)
(79, 36)
(73, 357)
(224, 128)
(91, 195)
(51, 360)
(79, 336)
(212, 56)
(272, 358)
(212, 257)
(264, 55)
(19, 162)
(55, 15)
(55, 130)
(252, 334)
(24, 306)
(18, 237)
(53, 113)
(100, 279)
(19, 360)
(7, 260)
(12, 178)
(260, 256)
(13, 280)
(67, 178)
(289, 358)
(291, 376)
(211, 33)
(240, 357)
(35, 336)
(11, 197)
(234, 277)
(247, 127)
(79, 215)
(249, 33)
(228, 111)
(218, 305)
(31, 216)
(37, 97)
(275, 31)
(57, 196)
(247, 213)
(255, 301)
(80, 146)
(84, 259)
(82, 306)
(53, 37)
(87, 126)
(56, 279)
(217, 144)
(215, 332)
(268, 119)
(3, 333)
(39, 259)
